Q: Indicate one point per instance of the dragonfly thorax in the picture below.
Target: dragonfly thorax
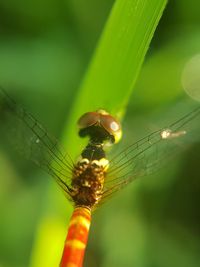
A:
(87, 181)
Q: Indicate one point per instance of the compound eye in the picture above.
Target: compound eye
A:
(112, 126)
(88, 119)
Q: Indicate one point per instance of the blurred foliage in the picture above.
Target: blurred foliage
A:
(45, 47)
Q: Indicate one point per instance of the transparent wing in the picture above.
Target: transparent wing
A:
(31, 139)
(152, 152)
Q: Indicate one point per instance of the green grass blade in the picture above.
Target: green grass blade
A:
(117, 60)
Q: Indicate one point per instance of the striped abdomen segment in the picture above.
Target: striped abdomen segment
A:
(77, 236)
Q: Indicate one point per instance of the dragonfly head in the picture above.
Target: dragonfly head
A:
(100, 126)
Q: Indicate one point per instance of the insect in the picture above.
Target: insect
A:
(93, 178)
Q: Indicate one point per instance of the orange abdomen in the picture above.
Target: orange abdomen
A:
(77, 236)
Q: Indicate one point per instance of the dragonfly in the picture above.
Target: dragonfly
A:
(94, 178)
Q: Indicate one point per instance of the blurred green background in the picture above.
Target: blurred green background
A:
(45, 48)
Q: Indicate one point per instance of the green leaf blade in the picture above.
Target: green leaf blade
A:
(117, 60)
